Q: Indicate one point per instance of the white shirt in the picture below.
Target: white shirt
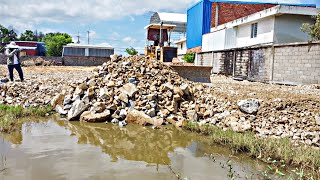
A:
(15, 59)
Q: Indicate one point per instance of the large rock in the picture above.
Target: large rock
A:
(238, 125)
(57, 100)
(185, 89)
(77, 109)
(98, 107)
(61, 111)
(90, 92)
(250, 106)
(129, 89)
(95, 117)
(192, 116)
(124, 98)
(175, 120)
(317, 120)
(139, 117)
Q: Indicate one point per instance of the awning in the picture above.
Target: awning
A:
(179, 20)
(27, 48)
(157, 26)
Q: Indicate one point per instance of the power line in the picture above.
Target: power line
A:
(88, 37)
(78, 38)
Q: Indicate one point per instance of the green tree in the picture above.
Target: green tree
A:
(189, 57)
(313, 29)
(7, 35)
(55, 42)
(39, 36)
(28, 35)
(131, 51)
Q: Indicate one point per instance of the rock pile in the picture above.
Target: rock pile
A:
(38, 89)
(147, 92)
(28, 94)
(134, 90)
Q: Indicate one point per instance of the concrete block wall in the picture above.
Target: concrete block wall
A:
(297, 64)
(84, 61)
(205, 59)
(260, 64)
(227, 60)
(242, 63)
(217, 63)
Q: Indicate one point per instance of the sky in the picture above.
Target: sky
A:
(119, 23)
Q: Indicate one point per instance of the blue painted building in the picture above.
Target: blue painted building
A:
(200, 16)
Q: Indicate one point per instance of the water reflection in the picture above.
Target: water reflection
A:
(73, 150)
(133, 142)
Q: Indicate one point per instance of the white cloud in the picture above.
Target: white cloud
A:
(46, 30)
(104, 44)
(93, 34)
(53, 11)
(115, 35)
(129, 40)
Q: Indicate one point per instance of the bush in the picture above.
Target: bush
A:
(189, 57)
(313, 29)
(131, 51)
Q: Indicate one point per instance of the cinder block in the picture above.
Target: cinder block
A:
(307, 65)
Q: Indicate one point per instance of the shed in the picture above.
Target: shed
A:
(32, 48)
(80, 50)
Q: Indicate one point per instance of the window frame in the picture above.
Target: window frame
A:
(254, 30)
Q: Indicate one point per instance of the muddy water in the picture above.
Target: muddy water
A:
(73, 150)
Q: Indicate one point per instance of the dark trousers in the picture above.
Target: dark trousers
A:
(18, 68)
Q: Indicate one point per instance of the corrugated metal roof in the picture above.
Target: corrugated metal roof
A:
(180, 20)
(173, 17)
(181, 40)
(88, 46)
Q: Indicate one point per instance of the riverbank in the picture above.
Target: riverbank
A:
(10, 116)
(269, 150)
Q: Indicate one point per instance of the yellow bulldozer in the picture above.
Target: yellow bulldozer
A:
(158, 42)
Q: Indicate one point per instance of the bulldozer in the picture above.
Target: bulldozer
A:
(158, 42)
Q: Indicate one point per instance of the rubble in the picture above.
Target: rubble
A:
(147, 92)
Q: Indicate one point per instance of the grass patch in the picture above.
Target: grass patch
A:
(307, 158)
(10, 115)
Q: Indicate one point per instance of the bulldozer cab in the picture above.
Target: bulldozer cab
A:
(158, 42)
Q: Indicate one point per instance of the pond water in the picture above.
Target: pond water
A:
(72, 150)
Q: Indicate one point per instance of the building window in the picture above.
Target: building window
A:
(181, 46)
(254, 30)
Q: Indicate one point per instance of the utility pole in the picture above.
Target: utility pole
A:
(78, 42)
(88, 37)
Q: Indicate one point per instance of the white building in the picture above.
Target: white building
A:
(279, 24)
(83, 50)
(182, 47)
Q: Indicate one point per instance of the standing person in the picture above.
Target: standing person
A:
(13, 60)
